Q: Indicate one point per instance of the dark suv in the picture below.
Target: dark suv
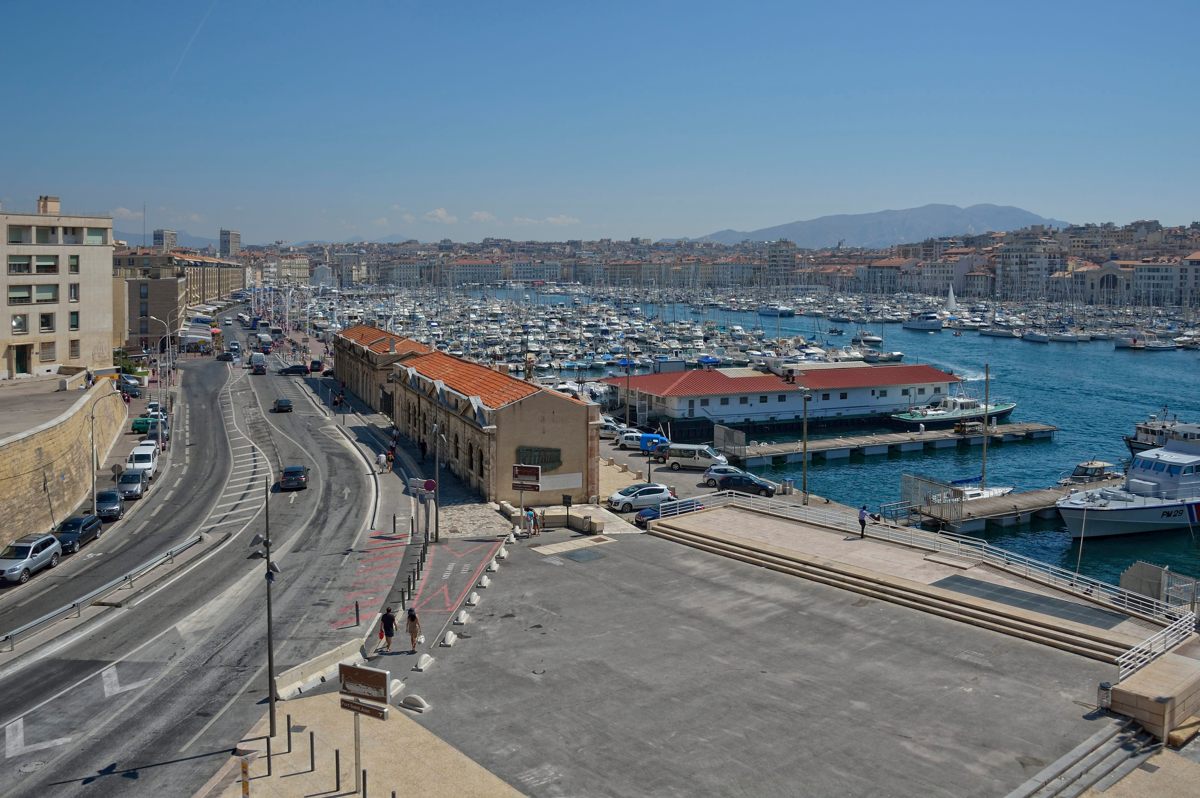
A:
(283, 406)
(76, 531)
(747, 483)
(109, 505)
(294, 478)
(298, 369)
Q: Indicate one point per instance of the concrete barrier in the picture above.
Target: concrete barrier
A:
(322, 667)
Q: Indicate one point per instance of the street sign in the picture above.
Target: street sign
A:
(358, 707)
(526, 477)
(368, 683)
(430, 485)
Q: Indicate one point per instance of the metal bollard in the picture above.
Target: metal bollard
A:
(393, 525)
(357, 618)
(337, 770)
(312, 752)
(289, 735)
(364, 782)
(268, 755)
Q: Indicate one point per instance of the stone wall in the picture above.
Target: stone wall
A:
(49, 466)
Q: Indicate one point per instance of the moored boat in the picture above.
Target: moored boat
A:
(950, 410)
(1159, 428)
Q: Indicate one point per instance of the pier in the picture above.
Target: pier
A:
(842, 447)
(1019, 507)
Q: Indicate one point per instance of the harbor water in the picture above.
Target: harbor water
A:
(1091, 391)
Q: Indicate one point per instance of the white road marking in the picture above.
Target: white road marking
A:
(14, 740)
(154, 512)
(223, 709)
(177, 482)
(113, 686)
(169, 493)
(234, 521)
(292, 499)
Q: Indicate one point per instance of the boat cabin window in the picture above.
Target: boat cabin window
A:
(1159, 467)
(1173, 470)
(1188, 470)
(1141, 462)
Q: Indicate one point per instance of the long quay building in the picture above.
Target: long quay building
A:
(691, 402)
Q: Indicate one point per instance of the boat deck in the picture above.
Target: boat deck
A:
(1014, 508)
(883, 443)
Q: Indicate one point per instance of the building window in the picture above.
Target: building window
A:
(16, 235)
(937, 389)
(704, 402)
(19, 264)
(743, 400)
(46, 264)
(45, 294)
(143, 308)
(882, 392)
(825, 397)
(20, 294)
(45, 235)
(843, 395)
(73, 264)
(920, 392)
(74, 349)
(781, 398)
(45, 322)
(46, 352)
(73, 319)
(762, 400)
(72, 292)
(20, 324)
(724, 400)
(95, 235)
(144, 292)
(904, 392)
(143, 326)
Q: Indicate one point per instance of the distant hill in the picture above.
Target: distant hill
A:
(885, 228)
(184, 238)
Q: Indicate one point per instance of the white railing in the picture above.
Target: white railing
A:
(1160, 643)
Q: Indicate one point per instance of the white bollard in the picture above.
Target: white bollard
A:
(502, 553)
(415, 703)
(423, 663)
(473, 600)
(484, 581)
(493, 566)
(461, 618)
(450, 639)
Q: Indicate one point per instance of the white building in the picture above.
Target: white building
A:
(58, 280)
(1024, 266)
(231, 243)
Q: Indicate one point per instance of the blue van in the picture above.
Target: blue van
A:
(645, 441)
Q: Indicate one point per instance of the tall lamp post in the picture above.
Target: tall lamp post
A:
(272, 570)
(804, 474)
(92, 438)
(437, 482)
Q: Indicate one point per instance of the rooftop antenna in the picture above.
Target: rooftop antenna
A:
(143, 224)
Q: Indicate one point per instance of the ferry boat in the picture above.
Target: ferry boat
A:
(950, 410)
(1161, 493)
(929, 321)
(1159, 428)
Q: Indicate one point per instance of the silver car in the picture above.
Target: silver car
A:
(132, 484)
(26, 556)
(640, 496)
(714, 473)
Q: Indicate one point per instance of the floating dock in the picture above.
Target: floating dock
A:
(842, 447)
(966, 517)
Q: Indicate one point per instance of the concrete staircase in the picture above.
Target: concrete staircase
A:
(1055, 632)
(1095, 764)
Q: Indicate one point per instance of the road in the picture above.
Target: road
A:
(151, 701)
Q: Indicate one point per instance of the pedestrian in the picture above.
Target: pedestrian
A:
(413, 627)
(862, 522)
(380, 460)
(387, 625)
(391, 458)
(529, 522)
(424, 449)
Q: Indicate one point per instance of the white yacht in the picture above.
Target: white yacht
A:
(1161, 492)
(929, 320)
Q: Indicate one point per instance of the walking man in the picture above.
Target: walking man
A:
(391, 458)
(413, 627)
(862, 522)
(380, 461)
(388, 624)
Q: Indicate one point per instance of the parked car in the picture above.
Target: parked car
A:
(327, 373)
(645, 441)
(77, 530)
(639, 495)
(282, 406)
(687, 455)
(152, 430)
(26, 556)
(654, 513)
(294, 477)
(109, 505)
(132, 391)
(747, 483)
(130, 380)
(140, 424)
(132, 484)
(144, 458)
(297, 369)
(226, 356)
(714, 473)
(153, 407)
(609, 429)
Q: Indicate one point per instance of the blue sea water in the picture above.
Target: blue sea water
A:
(1092, 392)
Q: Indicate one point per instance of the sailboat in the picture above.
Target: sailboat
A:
(951, 304)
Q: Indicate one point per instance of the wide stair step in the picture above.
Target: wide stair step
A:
(1095, 764)
(926, 598)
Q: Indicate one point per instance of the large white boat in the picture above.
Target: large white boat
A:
(950, 410)
(1161, 492)
(1159, 428)
(929, 320)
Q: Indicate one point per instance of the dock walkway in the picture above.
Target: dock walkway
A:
(1014, 508)
(841, 447)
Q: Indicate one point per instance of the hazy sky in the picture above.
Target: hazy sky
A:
(305, 119)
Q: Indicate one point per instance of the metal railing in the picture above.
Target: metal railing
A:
(1145, 652)
(1178, 622)
(77, 606)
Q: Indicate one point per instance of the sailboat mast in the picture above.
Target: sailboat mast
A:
(987, 384)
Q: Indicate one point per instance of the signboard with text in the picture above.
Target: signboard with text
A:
(527, 477)
(368, 683)
(361, 708)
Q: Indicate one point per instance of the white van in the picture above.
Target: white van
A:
(144, 457)
(689, 455)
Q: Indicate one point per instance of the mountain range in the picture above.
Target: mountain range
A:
(885, 228)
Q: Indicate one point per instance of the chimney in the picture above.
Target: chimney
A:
(392, 346)
(48, 205)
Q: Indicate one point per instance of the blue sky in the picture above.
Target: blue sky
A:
(306, 119)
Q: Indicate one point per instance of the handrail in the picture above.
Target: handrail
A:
(86, 600)
(1159, 643)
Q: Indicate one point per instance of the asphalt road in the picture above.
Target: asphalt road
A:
(151, 702)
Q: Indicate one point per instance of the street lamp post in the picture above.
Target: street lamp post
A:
(437, 482)
(92, 438)
(271, 571)
(804, 478)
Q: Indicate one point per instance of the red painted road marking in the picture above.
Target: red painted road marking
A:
(420, 601)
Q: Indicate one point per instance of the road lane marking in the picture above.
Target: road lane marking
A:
(14, 740)
(223, 709)
(113, 686)
(177, 482)
(236, 520)
(154, 512)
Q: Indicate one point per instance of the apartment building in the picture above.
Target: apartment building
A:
(292, 270)
(165, 240)
(208, 279)
(59, 290)
(1025, 264)
(230, 243)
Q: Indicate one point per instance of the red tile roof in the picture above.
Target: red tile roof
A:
(472, 379)
(702, 382)
(380, 341)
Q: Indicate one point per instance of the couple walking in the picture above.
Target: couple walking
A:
(387, 628)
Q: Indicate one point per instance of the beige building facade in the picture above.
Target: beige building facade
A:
(58, 291)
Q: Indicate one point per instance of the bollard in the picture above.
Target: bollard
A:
(393, 525)
(312, 752)
(357, 618)
(364, 782)
(337, 770)
(268, 755)
(289, 737)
